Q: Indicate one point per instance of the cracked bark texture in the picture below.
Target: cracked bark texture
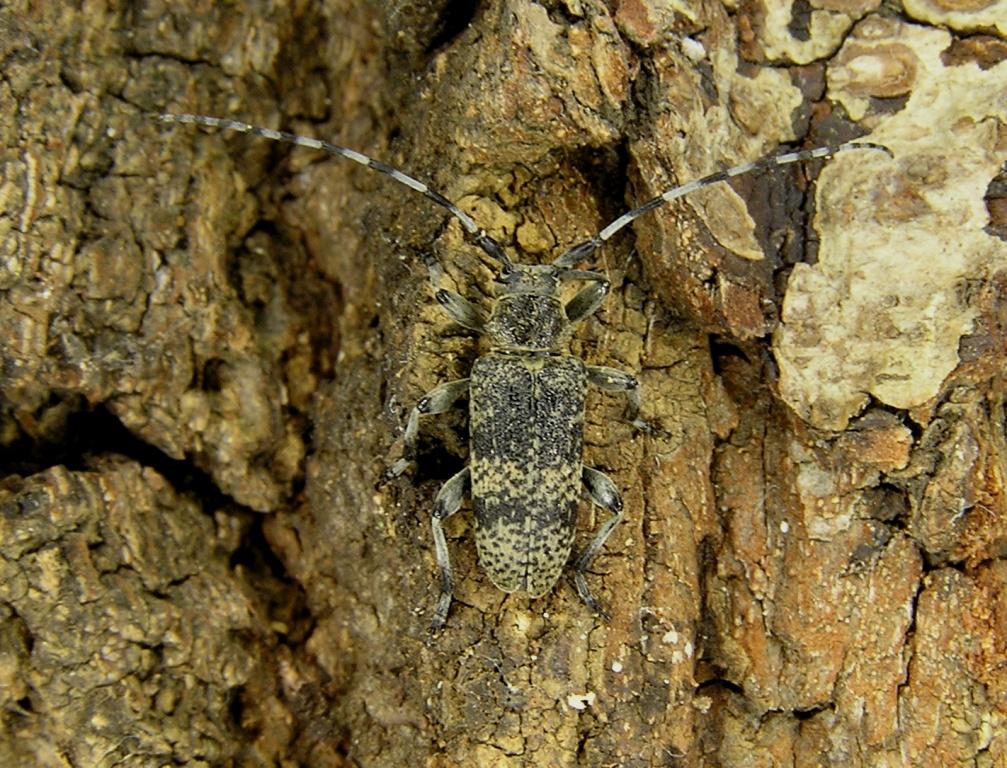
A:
(210, 344)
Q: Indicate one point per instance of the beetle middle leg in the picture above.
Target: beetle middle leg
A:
(437, 400)
(614, 380)
(603, 493)
(583, 305)
(448, 501)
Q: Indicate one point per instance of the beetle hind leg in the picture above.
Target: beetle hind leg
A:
(448, 501)
(603, 493)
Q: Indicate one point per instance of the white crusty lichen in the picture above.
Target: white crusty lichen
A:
(882, 312)
(970, 16)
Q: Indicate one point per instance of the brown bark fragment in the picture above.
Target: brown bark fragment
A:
(123, 627)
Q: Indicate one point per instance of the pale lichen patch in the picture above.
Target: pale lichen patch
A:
(883, 311)
(960, 15)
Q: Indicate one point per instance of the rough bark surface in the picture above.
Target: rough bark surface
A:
(209, 344)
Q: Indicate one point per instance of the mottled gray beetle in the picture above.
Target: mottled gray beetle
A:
(526, 396)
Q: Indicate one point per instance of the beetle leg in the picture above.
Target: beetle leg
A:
(462, 311)
(603, 493)
(588, 299)
(437, 400)
(448, 501)
(613, 380)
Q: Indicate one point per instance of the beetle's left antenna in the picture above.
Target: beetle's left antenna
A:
(581, 251)
(478, 236)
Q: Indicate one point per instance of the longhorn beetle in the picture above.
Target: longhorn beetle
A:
(526, 396)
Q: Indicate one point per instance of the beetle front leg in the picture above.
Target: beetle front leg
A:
(448, 501)
(437, 400)
(587, 301)
(603, 493)
(462, 311)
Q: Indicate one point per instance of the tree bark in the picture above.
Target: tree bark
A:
(211, 343)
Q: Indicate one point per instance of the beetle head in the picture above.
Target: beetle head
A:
(528, 279)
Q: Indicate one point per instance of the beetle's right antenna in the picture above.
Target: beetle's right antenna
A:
(490, 246)
(581, 251)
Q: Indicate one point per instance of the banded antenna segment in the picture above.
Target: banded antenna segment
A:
(478, 236)
(581, 251)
